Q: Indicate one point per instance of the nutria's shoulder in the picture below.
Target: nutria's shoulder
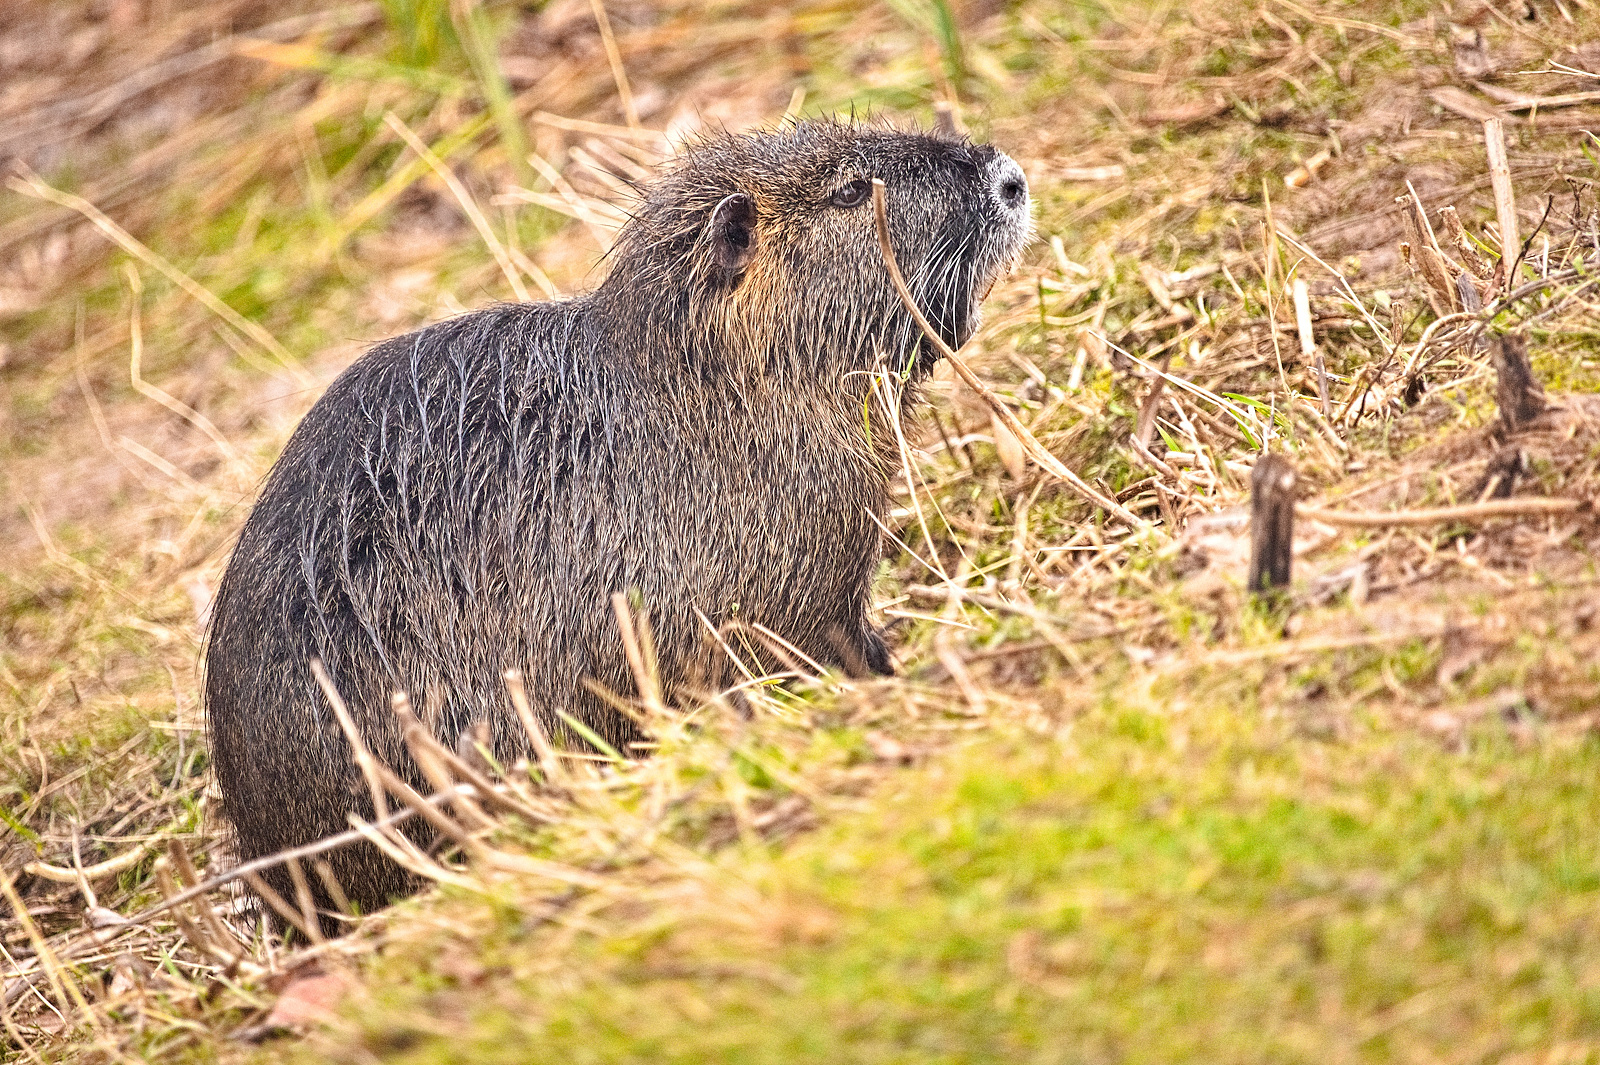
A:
(509, 341)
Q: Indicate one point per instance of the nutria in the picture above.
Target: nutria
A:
(694, 432)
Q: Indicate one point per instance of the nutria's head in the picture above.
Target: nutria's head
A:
(762, 249)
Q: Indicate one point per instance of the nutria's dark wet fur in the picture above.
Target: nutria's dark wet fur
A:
(467, 498)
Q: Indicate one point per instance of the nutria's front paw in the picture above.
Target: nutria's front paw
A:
(875, 652)
(864, 654)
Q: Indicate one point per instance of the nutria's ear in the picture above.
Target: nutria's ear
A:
(733, 232)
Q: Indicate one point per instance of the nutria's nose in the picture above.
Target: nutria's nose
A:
(1005, 177)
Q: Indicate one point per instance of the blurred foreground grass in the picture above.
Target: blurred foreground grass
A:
(1179, 875)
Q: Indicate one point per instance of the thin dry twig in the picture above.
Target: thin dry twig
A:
(1301, 297)
(100, 871)
(1466, 512)
(468, 205)
(614, 57)
(555, 773)
(256, 865)
(275, 901)
(191, 932)
(358, 746)
(1029, 442)
(60, 979)
(1505, 201)
(302, 896)
(219, 931)
(145, 388)
(645, 679)
(428, 753)
(30, 184)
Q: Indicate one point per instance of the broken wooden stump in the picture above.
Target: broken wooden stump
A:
(1500, 475)
(1517, 391)
(1420, 249)
(1272, 490)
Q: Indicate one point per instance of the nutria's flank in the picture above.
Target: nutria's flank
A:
(467, 498)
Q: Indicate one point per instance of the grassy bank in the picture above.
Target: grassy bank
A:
(1185, 876)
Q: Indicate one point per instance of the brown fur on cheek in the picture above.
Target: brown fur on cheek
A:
(749, 315)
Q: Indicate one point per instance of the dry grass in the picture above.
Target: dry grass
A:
(1194, 169)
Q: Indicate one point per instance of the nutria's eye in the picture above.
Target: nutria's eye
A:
(852, 194)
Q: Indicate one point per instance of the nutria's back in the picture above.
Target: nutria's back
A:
(467, 498)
